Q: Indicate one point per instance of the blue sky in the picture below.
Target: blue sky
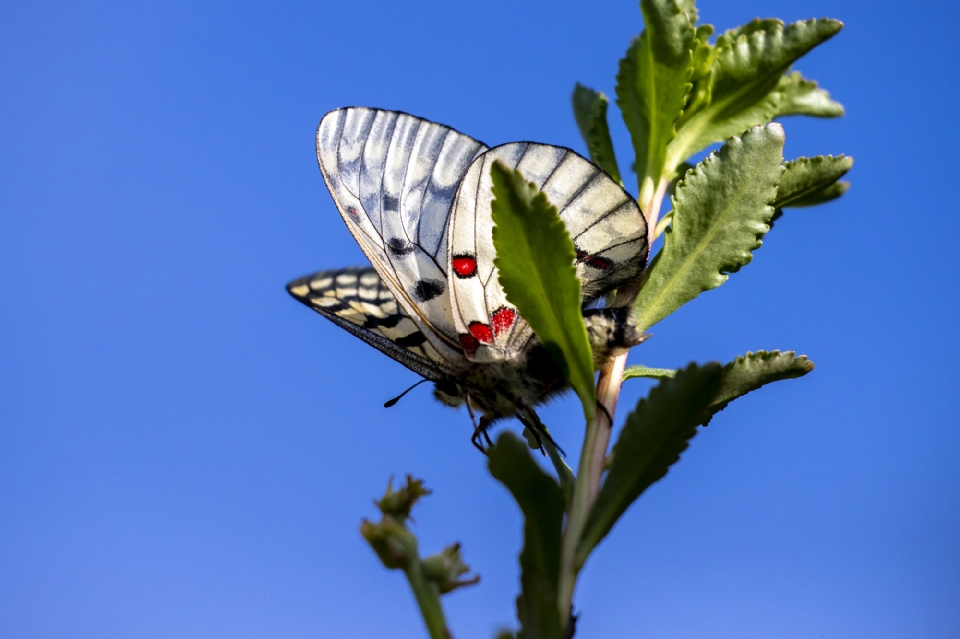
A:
(185, 451)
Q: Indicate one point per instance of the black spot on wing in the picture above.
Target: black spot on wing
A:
(399, 247)
(427, 289)
(412, 340)
(337, 307)
(383, 322)
(391, 203)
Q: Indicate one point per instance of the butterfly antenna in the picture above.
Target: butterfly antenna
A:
(396, 399)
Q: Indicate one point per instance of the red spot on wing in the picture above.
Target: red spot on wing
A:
(464, 265)
(481, 332)
(469, 344)
(601, 263)
(502, 319)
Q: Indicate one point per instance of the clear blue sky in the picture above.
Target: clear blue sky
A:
(186, 452)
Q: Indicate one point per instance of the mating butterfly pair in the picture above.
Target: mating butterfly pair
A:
(417, 196)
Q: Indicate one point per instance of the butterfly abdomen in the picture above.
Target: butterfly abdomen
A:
(534, 377)
(610, 330)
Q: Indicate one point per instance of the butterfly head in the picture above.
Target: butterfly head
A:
(449, 393)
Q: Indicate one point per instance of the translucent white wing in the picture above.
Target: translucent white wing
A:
(357, 300)
(394, 177)
(605, 223)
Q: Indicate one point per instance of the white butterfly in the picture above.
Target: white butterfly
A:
(417, 196)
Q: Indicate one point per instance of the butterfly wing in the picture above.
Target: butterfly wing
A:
(394, 177)
(607, 227)
(357, 300)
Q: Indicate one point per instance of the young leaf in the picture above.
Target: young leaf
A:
(650, 373)
(753, 370)
(824, 195)
(806, 177)
(590, 110)
(701, 64)
(745, 75)
(655, 434)
(662, 425)
(729, 37)
(689, 7)
(535, 258)
(803, 97)
(720, 211)
(541, 501)
(652, 84)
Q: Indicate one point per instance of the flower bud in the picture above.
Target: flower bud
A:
(394, 544)
(445, 569)
(398, 503)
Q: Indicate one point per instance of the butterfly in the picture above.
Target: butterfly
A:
(417, 196)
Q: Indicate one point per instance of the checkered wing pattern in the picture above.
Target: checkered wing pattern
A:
(357, 300)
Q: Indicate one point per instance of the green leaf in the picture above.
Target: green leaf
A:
(565, 476)
(535, 258)
(662, 425)
(689, 7)
(751, 371)
(720, 211)
(802, 97)
(541, 501)
(806, 181)
(744, 79)
(702, 65)
(822, 196)
(652, 84)
(590, 110)
(650, 373)
(729, 37)
(654, 435)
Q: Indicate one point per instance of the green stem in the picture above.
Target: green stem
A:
(599, 429)
(427, 594)
(652, 209)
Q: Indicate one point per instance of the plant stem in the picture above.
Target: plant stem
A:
(653, 206)
(597, 437)
(427, 595)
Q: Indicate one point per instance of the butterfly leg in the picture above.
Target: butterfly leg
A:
(478, 428)
(481, 429)
(538, 426)
(534, 431)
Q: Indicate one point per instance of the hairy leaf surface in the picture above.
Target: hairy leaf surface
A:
(747, 70)
(632, 372)
(751, 371)
(655, 434)
(721, 209)
(702, 66)
(805, 180)
(535, 258)
(799, 96)
(652, 84)
(661, 426)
